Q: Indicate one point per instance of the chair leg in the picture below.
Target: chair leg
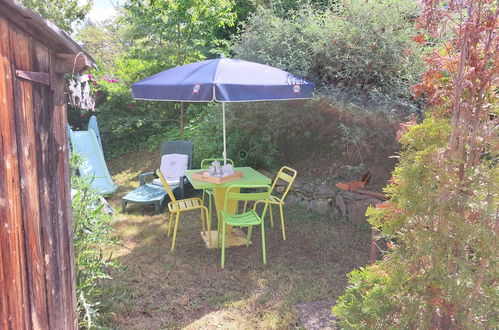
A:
(175, 231)
(271, 216)
(170, 224)
(203, 223)
(249, 235)
(219, 229)
(264, 254)
(208, 219)
(282, 223)
(255, 205)
(223, 245)
(245, 206)
(209, 204)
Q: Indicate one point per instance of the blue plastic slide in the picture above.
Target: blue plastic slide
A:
(94, 165)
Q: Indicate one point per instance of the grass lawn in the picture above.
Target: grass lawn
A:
(157, 289)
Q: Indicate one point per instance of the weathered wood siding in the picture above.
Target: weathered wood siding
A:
(37, 280)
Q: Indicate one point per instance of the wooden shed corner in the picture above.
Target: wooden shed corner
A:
(37, 274)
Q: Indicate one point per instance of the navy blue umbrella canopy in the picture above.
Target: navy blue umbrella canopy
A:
(223, 80)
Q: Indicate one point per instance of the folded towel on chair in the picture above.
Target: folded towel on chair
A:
(173, 167)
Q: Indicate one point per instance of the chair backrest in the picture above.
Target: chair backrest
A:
(179, 147)
(167, 187)
(234, 193)
(205, 163)
(173, 165)
(288, 175)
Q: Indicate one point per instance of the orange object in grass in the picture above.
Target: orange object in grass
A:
(354, 185)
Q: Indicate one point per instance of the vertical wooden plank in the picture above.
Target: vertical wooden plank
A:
(47, 170)
(64, 190)
(41, 98)
(14, 298)
(26, 144)
(53, 181)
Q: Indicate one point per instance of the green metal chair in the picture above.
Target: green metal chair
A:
(246, 219)
(288, 175)
(205, 164)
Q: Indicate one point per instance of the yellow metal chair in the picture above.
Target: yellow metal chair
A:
(177, 206)
(288, 175)
(246, 219)
(205, 164)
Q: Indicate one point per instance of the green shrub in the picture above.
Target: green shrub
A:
(441, 267)
(127, 124)
(91, 235)
(425, 279)
(360, 50)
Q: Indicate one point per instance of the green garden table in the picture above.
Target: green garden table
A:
(250, 176)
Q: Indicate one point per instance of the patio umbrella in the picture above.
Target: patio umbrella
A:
(223, 80)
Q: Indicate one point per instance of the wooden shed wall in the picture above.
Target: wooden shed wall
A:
(37, 280)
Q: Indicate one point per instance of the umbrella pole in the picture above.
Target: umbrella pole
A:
(225, 148)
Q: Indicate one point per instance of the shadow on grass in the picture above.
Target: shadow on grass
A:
(159, 289)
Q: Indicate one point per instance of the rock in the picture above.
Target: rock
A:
(324, 190)
(356, 212)
(293, 199)
(353, 206)
(305, 204)
(335, 214)
(297, 185)
(317, 315)
(280, 189)
(340, 202)
(281, 182)
(307, 188)
(319, 206)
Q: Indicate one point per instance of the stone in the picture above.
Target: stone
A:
(280, 189)
(305, 204)
(281, 182)
(319, 206)
(353, 206)
(307, 189)
(297, 185)
(317, 315)
(292, 200)
(340, 202)
(356, 212)
(324, 190)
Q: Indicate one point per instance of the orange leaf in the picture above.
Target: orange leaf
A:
(419, 38)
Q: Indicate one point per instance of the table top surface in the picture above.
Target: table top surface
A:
(250, 176)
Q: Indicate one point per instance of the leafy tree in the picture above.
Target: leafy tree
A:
(242, 10)
(106, 41)
(64, 13)
(442, 219)
(176, 32)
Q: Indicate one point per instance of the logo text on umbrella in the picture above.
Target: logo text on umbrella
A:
(195, 89)
(296, 88)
